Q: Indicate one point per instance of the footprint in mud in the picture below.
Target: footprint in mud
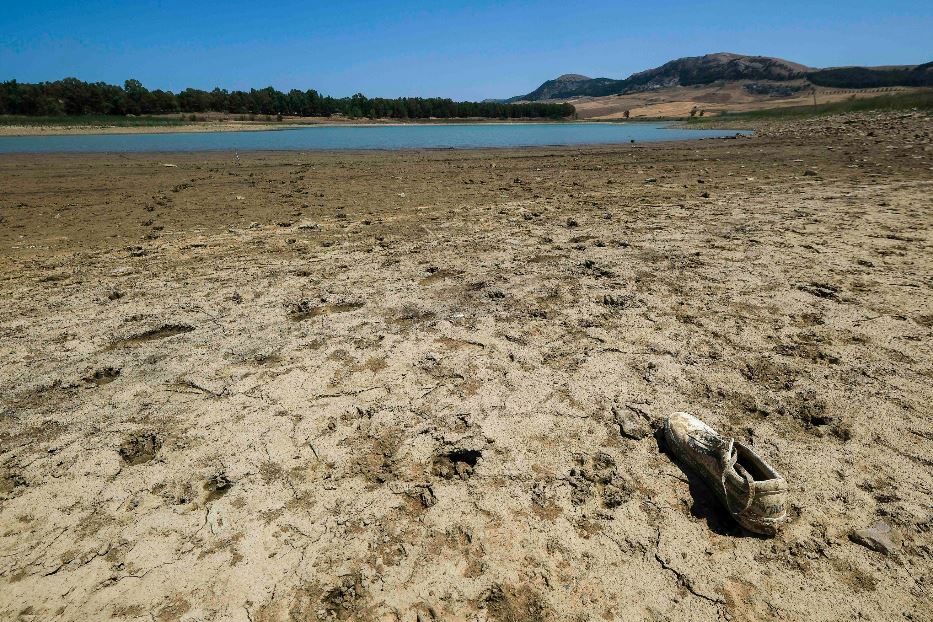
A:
(305, 310)
(592, 268)
(505, 603)
(162, 332)
(618, 301)
(766, 372)
(10, 481)
(456, 464)
(597, 476)
(436, 274)
(343, 600)
(924, 320)
(266, 360)
(806, 350)
(217, 486)
(812, 414)
(102, 376)
(457, 344)
(409, 315)
(140, 448)
(820, 290)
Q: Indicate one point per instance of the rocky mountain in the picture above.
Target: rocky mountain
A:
(713, 67)
(683, 71)
(724, 66)
(560, 87)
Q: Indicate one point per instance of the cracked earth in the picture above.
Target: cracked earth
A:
(424, 385)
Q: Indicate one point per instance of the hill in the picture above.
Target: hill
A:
(729, 67)
(681, 72)
(566, 85)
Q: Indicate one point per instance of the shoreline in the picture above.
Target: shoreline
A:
(195, 127)
(524, 149)
(376, 150)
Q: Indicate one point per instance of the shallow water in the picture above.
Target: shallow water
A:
(364, 137)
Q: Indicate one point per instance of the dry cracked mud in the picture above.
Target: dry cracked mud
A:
(422, 385)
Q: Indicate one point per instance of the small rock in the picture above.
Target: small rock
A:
(631, 421)
(879, 537)
(425, 495)
(809, 173)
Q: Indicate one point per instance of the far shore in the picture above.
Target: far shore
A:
(243, 126)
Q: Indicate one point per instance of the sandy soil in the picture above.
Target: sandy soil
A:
(422, 385)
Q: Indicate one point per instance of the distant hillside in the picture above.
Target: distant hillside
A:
(680, 72)
(561, 86)
(710, 68)
(870, 78)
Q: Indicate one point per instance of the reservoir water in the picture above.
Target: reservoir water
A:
(433, 136)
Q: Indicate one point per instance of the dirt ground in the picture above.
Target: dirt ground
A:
(422, 385)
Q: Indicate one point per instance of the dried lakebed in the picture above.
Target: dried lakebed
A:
(422, 385)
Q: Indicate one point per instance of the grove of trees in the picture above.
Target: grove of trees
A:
(863, 78)
(75, 97)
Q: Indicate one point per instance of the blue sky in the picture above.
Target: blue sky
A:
(464, 50)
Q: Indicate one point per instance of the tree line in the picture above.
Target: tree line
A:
(864, 78)
(75, 97)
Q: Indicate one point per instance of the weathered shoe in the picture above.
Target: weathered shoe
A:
(753, 492)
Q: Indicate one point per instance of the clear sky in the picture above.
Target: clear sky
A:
(464, 50)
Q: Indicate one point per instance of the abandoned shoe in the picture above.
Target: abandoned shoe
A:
(752, 491)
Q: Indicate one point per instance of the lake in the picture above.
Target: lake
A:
(434, 136)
